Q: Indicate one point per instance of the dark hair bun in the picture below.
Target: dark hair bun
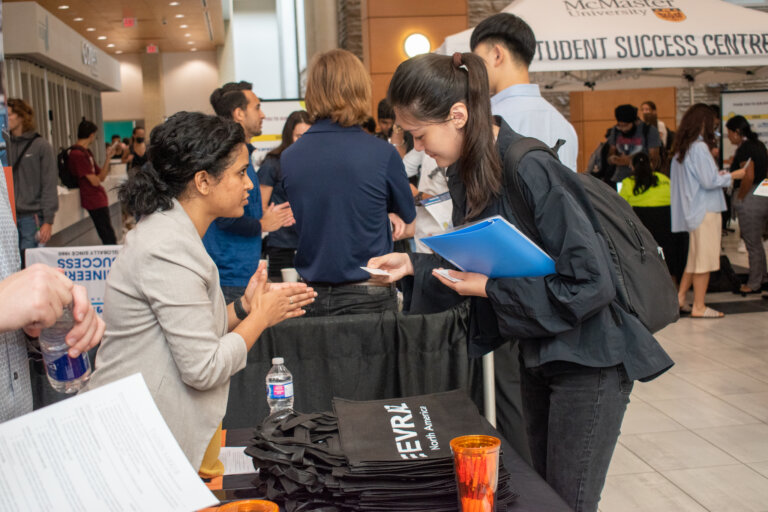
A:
(185, 144)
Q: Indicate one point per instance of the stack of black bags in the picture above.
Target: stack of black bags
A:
(383, 455)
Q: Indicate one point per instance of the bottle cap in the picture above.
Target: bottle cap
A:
(277, 360)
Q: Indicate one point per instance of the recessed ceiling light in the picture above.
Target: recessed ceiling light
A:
(174, 4)
(187, 35)
(101, 38)
(119, 51)
(183, 26)
(90, 29)
(190, 42)
(193, 49)
(111, 45)
(78, 19)
(179, 15)
(63, 7)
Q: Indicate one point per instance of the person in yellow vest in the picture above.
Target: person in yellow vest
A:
(648, 193)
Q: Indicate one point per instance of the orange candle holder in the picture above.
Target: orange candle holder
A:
(476, 466)
(250, 506)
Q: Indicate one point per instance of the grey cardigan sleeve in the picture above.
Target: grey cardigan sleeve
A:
(49, 180)
(177, 290)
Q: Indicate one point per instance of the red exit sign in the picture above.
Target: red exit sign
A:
(129, 22)
(152, 48)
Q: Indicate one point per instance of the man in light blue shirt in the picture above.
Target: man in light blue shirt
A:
(507, 45)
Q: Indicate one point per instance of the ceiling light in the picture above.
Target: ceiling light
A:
(174, 4)
(78, 19)
(187, 35)
(111, 45)
(183, 26)
(190, 42)
(416, 44)
(119, 51)
(101, 38)
(63, 7)
(193, 49)
(90, 29)
(179, 15)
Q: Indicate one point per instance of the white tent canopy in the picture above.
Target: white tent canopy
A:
(637, 36)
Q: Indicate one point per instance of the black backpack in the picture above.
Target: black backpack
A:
(644, 287)
(68, 179)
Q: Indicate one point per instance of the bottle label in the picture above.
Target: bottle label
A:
(280, 391)
(67, 368)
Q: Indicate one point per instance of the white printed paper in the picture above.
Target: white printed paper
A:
(107, 449)
(441, 209)
(762, 189)
(235, 461)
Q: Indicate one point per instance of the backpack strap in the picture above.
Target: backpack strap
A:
(558, 145)
(522, 211)
(26, 147)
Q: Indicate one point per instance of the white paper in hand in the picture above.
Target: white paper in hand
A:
(375, 271)
(443, 272)
(107, 449)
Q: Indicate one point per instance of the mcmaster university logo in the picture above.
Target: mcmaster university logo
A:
(675, 14)
(663, 9)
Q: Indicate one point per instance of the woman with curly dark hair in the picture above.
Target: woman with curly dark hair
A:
(164, 309)
(697, 203)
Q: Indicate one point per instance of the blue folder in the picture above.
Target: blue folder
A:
(492, 247)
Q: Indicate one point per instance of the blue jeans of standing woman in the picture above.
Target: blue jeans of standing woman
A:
(27, 226)
(573, 417)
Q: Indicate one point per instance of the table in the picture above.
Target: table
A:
(535, 494)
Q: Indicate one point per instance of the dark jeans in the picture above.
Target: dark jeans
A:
(352, 299)
(279, 258)
(27, 227)
(232, 293)
(101, 220)
(573, 420)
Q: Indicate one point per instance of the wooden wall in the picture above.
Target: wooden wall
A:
(592, 113)
(386, 24)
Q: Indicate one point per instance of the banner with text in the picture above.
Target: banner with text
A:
(86, 266)
(637, 34)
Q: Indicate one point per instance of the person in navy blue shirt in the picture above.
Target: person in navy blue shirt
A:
(235, 244)
(280, 244)
(342, 183)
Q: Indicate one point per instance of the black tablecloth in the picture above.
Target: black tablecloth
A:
(535, 494)
(358, 357)
(371, 357)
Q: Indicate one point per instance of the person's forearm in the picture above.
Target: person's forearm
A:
(250, 329)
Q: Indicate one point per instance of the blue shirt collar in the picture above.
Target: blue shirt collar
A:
(326, 125)
(516, 91)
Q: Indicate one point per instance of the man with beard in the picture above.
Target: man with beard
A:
(235, 244)
(631, 136)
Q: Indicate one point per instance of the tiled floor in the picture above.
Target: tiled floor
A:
(696, 438)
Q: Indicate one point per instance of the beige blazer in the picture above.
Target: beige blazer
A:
(166, 319)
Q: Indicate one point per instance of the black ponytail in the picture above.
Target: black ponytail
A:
(427, 86)
(188, 142)
(740, 125)
(644, 176)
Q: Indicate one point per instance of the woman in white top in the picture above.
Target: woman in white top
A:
(697, 202)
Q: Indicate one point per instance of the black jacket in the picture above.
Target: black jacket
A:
(568, 316)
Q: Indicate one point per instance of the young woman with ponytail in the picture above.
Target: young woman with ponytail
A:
(164, 309)
(648, 193)
(580, 352)
(752, 210)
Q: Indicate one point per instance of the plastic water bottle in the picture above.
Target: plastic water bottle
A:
(66, 374)
(279, 387)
